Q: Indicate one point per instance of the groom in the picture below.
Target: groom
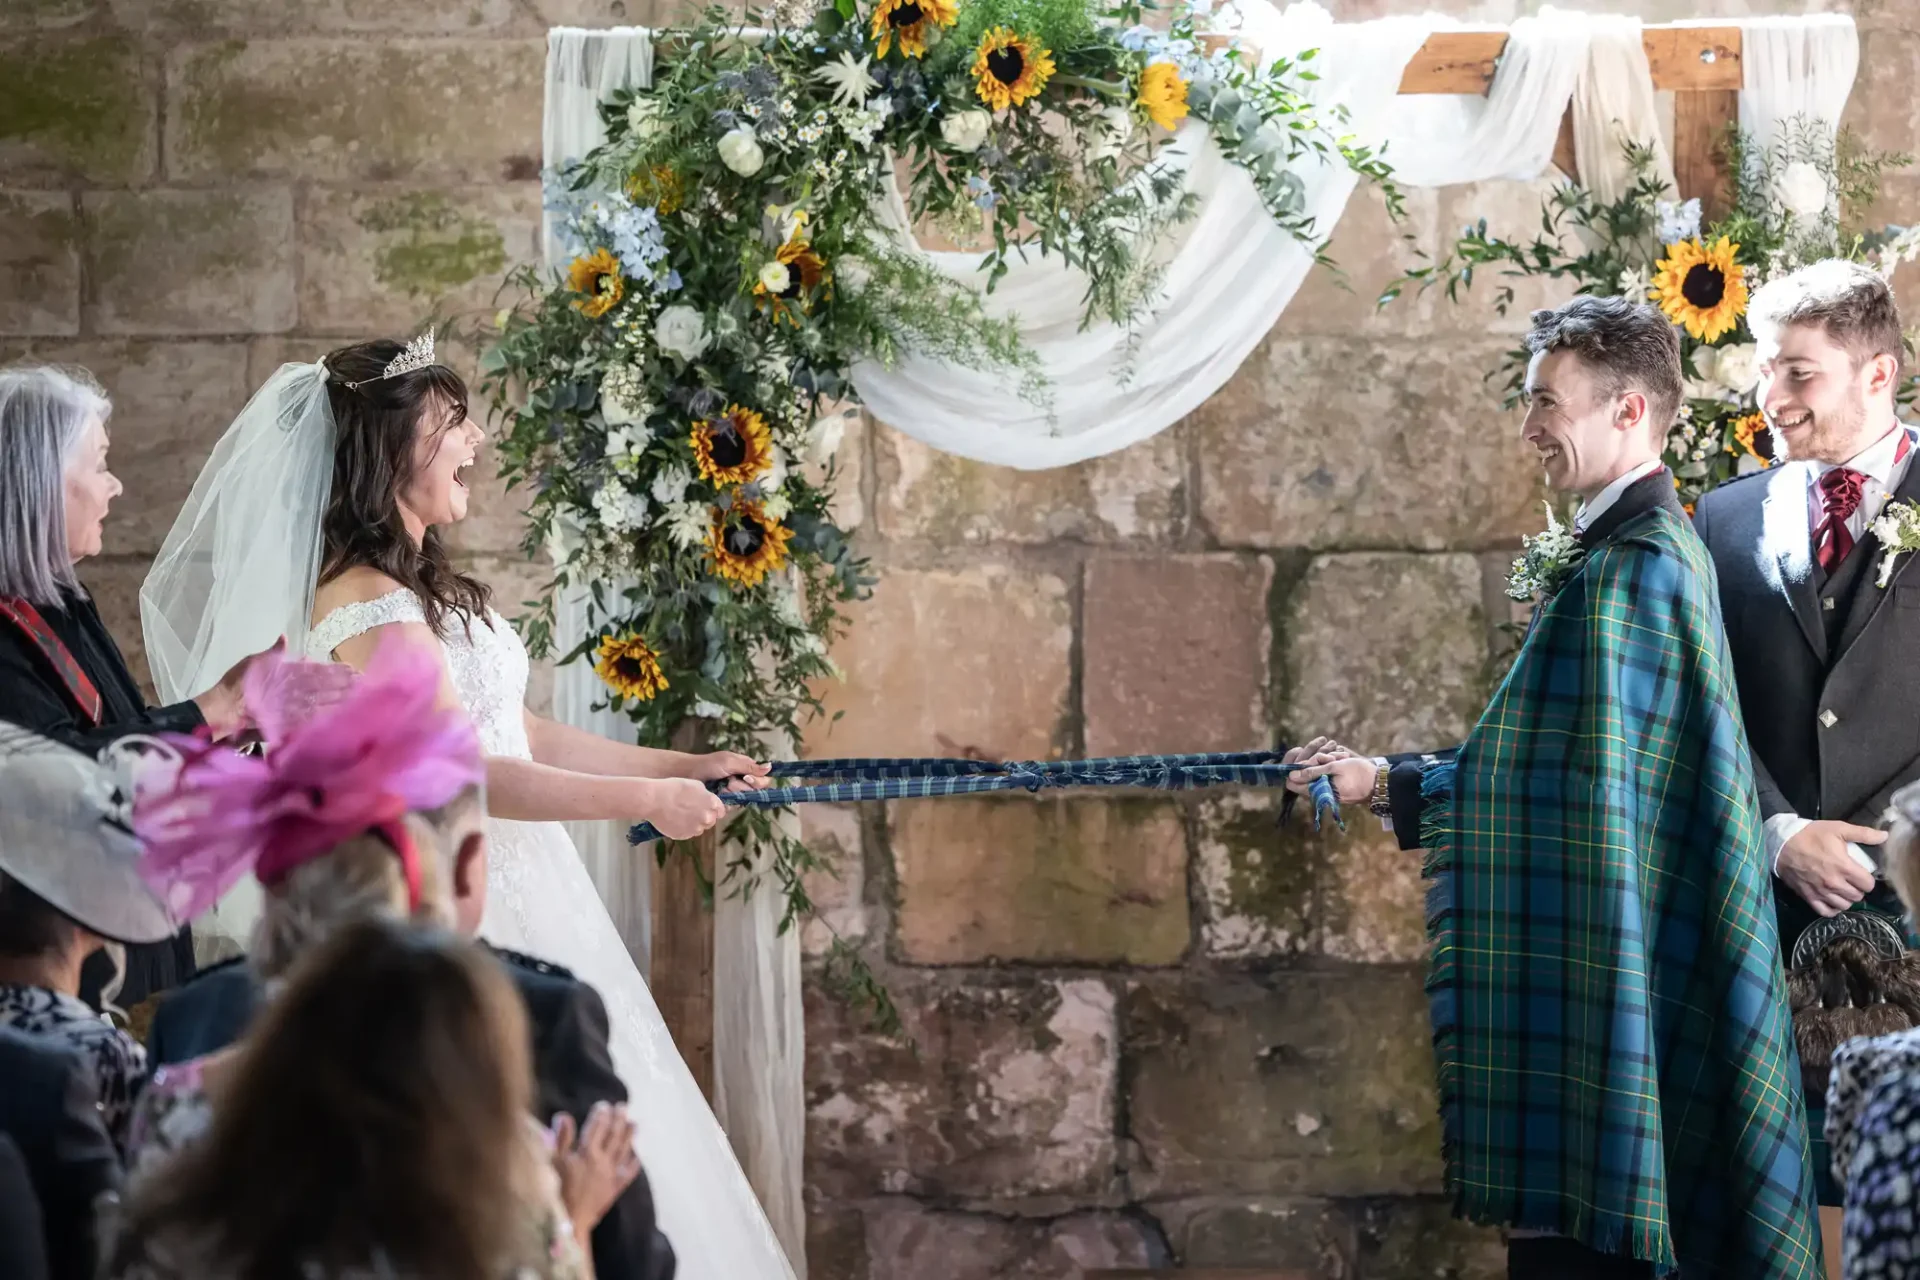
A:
(1609, 1016)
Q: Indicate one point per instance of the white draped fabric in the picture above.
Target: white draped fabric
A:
(758, 1031)
(1229, 274)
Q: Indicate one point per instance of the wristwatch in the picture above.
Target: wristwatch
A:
(1380, 805)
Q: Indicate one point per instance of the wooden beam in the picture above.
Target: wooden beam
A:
(1680, 58)
(1565, 157)
(1700, 120)
(681, 967)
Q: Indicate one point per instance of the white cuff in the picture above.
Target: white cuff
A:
(1780, 828)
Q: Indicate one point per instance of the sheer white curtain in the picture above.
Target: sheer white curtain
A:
(1799, 66)
(759, 1025)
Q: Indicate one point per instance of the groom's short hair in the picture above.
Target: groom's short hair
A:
(1629, 346)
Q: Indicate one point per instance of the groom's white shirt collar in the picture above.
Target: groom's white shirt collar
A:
(1590, 511)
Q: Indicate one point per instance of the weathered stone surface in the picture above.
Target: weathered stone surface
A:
(1882, 106)
(1512, 211)
(1298, 1083)
(39, 263)
(201, 18)
(848, 471)
(906, 1239)
(946, 662)
(1006, 1094)
(379, 261)
(1312, 1235)
(114, 582)
(836, 1241)
(1385, 652)
(1136, 495)
(1371, 905)
(190, 262)
(171, 401)
(1176, 654)
(76, 107)
(347, 110)
(1422, 1240)
(1370, 251)
(613, 13)
(1083, 880)
(1259, 883)
(46, 15)
(1340, 442)
(838, 889)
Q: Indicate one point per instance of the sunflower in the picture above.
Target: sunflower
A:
(630, 667)
(734, 448)
(1701, 287)
(912, 21)
(1749, 438)
(1163, 94)
(1008, 68)
(806, 270)
(658, 186)
(745, 543)
(597, 278)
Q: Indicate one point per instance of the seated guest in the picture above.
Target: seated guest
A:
(374, 1124)
(23, 1235)
(50, 1114)
(323, 873)
(69, 883)
(61, 674)
(1873, 1106)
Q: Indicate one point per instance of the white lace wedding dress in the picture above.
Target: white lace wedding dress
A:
(540, 900)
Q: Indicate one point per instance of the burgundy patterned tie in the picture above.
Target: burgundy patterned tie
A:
(1839, 498)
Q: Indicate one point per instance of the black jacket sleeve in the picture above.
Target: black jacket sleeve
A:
(573, 1064)
(1404, 773)
(30, 698)
(82, 1168)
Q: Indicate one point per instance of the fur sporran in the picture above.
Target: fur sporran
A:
(1852, 976)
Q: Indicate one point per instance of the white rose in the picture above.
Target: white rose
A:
(823, 438)
(965, 130)
(1110, 133)
(853, 274)
(682, 331)
(1736, 367)
(643, 117)
(740, 152)
(618, 412)
(774, 277)
(1803, 189)
(776, 472)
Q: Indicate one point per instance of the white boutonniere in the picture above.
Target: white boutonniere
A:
(1546, 560)
(1898, 528)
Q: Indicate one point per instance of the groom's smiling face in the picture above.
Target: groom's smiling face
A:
(1578, 428)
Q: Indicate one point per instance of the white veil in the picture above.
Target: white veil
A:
(238, 571)
(238, 568)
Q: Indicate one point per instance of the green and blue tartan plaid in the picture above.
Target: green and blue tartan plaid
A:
(1609, 1013)
(887, 778)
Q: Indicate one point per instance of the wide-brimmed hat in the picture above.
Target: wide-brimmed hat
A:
(65, 835)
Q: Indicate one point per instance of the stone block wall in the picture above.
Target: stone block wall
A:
(1146, 1030)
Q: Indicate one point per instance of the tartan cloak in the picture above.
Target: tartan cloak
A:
(1615, 1054)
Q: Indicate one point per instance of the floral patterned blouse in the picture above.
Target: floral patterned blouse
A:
(173, 1113)
(119, 1061)
(1873, 1126)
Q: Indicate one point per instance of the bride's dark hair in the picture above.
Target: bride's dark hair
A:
(373, 459)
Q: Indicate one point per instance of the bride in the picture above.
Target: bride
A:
(316, 517)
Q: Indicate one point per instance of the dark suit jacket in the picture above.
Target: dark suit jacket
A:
(572, 1067)
(23, 1235)
(51, 1112)
(1405, 771)
(1792, 682)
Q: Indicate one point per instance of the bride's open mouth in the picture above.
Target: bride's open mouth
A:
(460, 472)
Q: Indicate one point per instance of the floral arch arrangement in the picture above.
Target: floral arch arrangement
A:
(674, 403)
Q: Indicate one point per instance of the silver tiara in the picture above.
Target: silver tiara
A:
(417, 355)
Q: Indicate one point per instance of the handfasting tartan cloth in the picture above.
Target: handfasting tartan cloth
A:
(1610, 1020)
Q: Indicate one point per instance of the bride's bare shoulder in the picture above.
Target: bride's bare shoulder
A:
(356, 586)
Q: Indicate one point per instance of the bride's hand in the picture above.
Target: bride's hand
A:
(740, 773)
(680, 808)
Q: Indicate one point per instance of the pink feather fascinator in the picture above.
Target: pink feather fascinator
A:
(380, 750)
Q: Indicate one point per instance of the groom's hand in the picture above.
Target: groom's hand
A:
(1353, 776)
(1816, 865)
